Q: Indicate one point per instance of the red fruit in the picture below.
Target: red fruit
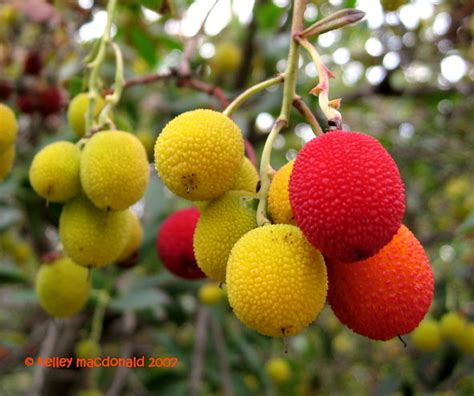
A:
(51, 100)
(386, 295)
(347, 195)
(33, 63)
(6, 89)
(174, 244)
(27, 103)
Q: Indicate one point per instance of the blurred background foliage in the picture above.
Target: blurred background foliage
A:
(404, 76)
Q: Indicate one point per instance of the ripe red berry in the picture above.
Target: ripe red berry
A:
(174, 244)
(6, 89)
(27, 103)
(51, 100)
(386, 295)
(347, 195)
(33, 63)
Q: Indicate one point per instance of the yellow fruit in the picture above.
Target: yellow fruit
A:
(21, 252)
(147, 140)
(221, 224)
(247, 178)
(278, 370)
(8, 127)
(452, 326)
(279, 198)
(77, 112)
(466, 341)
(114, 170)
(90, 236)
(134, 239)
(226, 58)
(457, 187)
(427, 336)
(251, 382)
(210, 294)
(342, 343)
(54, 172)
(62, 287)
(87, 349)
(199, 154)
(276, 280)
(7, 159)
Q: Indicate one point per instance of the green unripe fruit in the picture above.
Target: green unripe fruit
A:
(91, 392)
(62, 287)
(221, 224)
(278, 370)
(54, 172)
(7, 159)
(427, 336)
(8, 127)
(199, 154)
(90, 236)
(466, 341)
(87, 349)
(211, 294)
(77, 112)
(114, 170)
(452, 326)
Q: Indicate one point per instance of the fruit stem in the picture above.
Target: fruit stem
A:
(96, 64)
(244, 96)
(334, 21)
(282, 120)
(328, 107)
(303, 108)
(103, 299)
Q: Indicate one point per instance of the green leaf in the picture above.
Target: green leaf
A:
(145, 46)
(169, 42)
(139, 299)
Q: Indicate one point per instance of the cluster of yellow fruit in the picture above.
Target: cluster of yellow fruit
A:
(452, 326)
(276, 281)
(8, 132)
(97, 181)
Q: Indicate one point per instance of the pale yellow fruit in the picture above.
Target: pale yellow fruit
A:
(7, 159)
(452, 326)
(199, 154)
(87, 349)
(427, 336)
(247, 178)
(8, 127)
(278, 370)
(62, 287)
(276, 280)
(54, 172)
(221, 224)
(134, 239)
(77, 112)
(211, 294)
(279, 198)
(90, 236)
(466, 341)
(114, 170)
(226, 58)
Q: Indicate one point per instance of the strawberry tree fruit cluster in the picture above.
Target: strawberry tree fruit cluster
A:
(337, 211)
(97, 179)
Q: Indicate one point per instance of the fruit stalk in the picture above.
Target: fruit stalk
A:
(96, 63)
(103, 299)
(282, 120)
(244, 96)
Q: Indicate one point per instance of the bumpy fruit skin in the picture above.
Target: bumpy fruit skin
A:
(62, 287)
(279, 197)
(90, 236)
(199, 154)
(276, 280)
(210, 294)
(347, 195)
(452, 326)
(385, 295)
(54, 172)
(114, 170)
(7, 159)
(76, 113)
(134, 239)
(8, 127)
(222, 223)
(278, 370)
(227, 57)
(247, 178)
(87, 349)
(174, 244)
(427, 336)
